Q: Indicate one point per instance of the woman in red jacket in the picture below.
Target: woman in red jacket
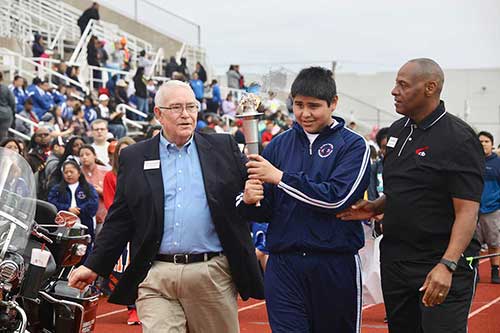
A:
(109, 189)
(109, 186)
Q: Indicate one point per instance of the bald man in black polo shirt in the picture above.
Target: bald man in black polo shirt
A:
(433, 180)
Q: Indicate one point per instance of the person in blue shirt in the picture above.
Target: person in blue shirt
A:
(59, 95)
(42, 100)
(197, 86)
(310, 173)
(20, 94)
(488, 228)
(76, 195)
(89, 109)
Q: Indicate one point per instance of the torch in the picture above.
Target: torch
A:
(247, 111)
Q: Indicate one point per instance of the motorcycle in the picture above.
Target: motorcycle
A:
(35, 259)
(17, 210)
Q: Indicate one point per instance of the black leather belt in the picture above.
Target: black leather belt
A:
(187, 258)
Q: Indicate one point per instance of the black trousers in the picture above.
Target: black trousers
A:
(406, 313)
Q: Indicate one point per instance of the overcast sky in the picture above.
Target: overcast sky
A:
(361, 35)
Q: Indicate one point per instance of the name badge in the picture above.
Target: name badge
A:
(154, 164)
(392, 142)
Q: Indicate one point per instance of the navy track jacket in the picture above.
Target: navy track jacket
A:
(319, 180)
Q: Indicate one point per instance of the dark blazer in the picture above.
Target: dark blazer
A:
(136, 215)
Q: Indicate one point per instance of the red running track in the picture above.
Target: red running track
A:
(483, 317)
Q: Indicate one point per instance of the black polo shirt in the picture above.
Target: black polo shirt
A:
(427, 165)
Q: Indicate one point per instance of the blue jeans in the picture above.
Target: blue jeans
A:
(118, 130)
(142, 105)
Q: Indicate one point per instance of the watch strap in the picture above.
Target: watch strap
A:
(451, 265)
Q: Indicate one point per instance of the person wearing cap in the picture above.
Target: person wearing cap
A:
(126, 53)
(121, 92)
(190, 252)
(39, 151)
(114, 118)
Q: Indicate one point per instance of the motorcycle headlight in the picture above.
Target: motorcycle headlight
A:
(9, 271)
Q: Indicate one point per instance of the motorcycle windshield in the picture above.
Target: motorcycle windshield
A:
(17, 202)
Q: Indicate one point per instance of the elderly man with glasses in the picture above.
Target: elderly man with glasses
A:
(191, 253)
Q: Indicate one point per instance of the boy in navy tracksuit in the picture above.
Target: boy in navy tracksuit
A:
(309, 173)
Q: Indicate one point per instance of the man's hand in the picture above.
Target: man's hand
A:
(254, 192)
(361, 210)
(261, 169)
(436, 286)
(81, 277)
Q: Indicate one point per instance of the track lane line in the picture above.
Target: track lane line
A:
(484, 307)
(111, 313)
(366, 307)
(252, 306)
(123, 310)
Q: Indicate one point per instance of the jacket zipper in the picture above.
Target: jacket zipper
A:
(310, 149)
(404, 143)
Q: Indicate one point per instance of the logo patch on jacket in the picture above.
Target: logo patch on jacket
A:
(325, 150)
(80, 195)
(421, 151)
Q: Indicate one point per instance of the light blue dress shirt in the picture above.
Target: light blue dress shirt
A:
(188, 226)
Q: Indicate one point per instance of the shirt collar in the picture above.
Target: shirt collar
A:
(171, 147)
(492, 156)
(431, 119)
(40, 90)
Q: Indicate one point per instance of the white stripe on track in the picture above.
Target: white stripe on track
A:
(111, 313)
(252, 306)
(123, 310)
(484, 307)
(366, 307)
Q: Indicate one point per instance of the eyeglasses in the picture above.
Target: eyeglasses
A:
(178, 108)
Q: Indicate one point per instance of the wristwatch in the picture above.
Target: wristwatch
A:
(451, 265)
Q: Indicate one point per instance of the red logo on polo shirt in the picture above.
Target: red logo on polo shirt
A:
(421, 151)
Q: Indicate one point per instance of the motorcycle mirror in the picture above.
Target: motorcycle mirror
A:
(66, 219)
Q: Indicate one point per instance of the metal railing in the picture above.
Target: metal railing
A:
(25, 21)
(26, 67)
(140, 125)
(157, 62)
(31, 124)
(125, 107)
(106, 74)
(19, 134)
(178, 27)
(49, 16)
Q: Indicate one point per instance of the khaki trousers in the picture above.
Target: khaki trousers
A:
(194, 298)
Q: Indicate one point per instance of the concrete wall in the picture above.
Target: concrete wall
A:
(13, 45)
(157, 39)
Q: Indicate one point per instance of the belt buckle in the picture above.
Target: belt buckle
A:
(180, 256)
